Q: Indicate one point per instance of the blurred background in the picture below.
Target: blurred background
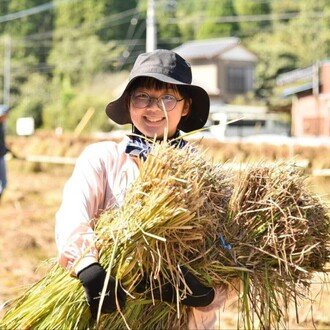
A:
(264, 63)
(257, 58)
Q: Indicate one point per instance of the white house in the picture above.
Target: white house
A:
(223, 66)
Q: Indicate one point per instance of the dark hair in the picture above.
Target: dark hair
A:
(152, 83)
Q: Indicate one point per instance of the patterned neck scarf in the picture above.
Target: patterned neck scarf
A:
(140, 147)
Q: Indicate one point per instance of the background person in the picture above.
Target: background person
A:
(3, 151)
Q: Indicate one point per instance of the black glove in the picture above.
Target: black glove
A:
(92, 279)
(201, 295)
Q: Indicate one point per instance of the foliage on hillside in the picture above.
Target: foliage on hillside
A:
(57, 52)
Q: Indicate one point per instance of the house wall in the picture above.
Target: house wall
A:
(325, 78)
(205, 74)
(230, 90)
(311, 115)
(212, 75)
(239, 53)
(311, 106)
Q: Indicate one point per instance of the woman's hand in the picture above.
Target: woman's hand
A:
(92, 278)
(208, 317)
(200, 295)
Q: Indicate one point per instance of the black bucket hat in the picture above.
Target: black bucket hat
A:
(169, 67)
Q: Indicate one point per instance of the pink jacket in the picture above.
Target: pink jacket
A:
(99, 182)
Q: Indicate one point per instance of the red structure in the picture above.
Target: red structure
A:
(311, 102)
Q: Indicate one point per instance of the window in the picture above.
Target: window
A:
(239, 79)
(249, 123)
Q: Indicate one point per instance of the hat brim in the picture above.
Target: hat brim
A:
(196, 119)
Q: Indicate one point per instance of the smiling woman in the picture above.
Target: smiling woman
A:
(159, 101)
(153, 118)
(165, 71)
(3, 151)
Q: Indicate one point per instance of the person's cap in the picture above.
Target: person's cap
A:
(169, 67)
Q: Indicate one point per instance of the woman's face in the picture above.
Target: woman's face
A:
(151, 120)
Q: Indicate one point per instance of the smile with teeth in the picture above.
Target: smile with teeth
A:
(154, 120)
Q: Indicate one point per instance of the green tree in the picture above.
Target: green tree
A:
(85, 34)
(26, 30)
(274, 58)
(118, 14)
(77, 59)
(78, 16)
(211, 27)
(34, 95)
(77, 51)
(20, 68)
(188, 15)
(294, 43)
(309, 33)
(284, 11)
(3, 12)
(284, 6)
(168, 28)
(251, 8)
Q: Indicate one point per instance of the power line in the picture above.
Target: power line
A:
(30, 44)
(45, 67)
(122, 17)
(176, 3)
(225, 19)
(111, 20)
(246, 18)
(132, 42)
(33, 10)
(131, 45)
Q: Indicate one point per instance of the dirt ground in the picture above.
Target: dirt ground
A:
(27, 238)
(27, 230)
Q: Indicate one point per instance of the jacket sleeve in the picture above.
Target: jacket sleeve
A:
(82, 202)
(207, 318)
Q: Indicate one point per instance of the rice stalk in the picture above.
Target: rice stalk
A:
(261, 226)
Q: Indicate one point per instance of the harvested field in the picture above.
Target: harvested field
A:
(34, 194)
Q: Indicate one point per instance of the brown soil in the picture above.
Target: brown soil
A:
(27, 232)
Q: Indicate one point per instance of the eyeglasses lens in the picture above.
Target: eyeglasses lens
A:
(144, 100)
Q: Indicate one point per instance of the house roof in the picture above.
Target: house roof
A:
(294, 75)
(297, 89)
(206, 48)
(299, 74)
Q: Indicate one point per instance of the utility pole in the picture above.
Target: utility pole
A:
(151, 43)
(316, 92)
(6, 76)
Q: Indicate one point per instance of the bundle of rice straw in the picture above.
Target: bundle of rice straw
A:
(265, 229)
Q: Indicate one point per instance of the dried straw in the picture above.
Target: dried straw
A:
(264, 228)
(279, 231)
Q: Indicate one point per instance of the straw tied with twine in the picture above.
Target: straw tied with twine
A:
(261, 226)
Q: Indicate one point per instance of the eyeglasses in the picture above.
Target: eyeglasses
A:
(143, 100)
